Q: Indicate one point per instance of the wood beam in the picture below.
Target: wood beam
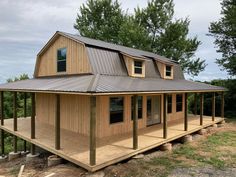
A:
(222, 105)
(2, 142)
(195, 104)
(57, 124)
(25, 104)
(15, 111)
(33, 116)
(2, 107)
(165, 117)
(15, 144)
(201, 108)
(213, 106)
(92, 129)
(135, 122)
(186, 112)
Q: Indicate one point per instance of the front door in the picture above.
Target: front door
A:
(153, 110)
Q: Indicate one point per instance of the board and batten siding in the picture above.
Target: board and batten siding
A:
(77, 59)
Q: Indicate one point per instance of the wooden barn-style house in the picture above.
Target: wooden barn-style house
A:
(95, 103)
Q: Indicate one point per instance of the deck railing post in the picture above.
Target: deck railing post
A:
(2, 143)
(186, 112)
(92, 129)
(135, 122)
(195, 104)
(213, 106)
(15, 110)
(201, 108)
(33, 116)
(222, 105)
(2, 107)
(57, 124)
(165, 117)
(25, 115)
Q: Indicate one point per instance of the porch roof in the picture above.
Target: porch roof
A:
(103, 84)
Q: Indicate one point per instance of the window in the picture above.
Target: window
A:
(116, 109)
(138, 67)
(179, 102)
(169, 104)
(61, 60)
(140, 107)
(168, 71)
(149, 107)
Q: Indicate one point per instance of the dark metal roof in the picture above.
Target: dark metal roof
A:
(106, 84)
(111, 46)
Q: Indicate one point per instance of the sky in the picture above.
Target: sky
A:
(26, 26)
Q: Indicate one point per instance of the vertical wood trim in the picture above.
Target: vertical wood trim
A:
(165, 117)
(2, 107)
(213, 106)
(222, 105)
(15, 110)
(25, 104)
(57, 123)
(33, 116)
(2, 143)
(135, 122)
(201, 108)
(186, 112)
(15, 144)
(92, 130)
(195, 104)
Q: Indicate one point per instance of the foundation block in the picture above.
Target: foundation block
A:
(202, 131)
(3, 158)
(54, 160)
(13, 155)
(214, 125)
(187, 139)
(32, 158)
(166, 147)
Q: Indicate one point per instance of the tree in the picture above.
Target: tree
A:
(224, 32)
(100, 19)
(151, 28)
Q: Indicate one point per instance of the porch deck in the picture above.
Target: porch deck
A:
(75, 147)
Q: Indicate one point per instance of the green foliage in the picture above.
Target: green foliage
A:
(151, 28)
(224, 32)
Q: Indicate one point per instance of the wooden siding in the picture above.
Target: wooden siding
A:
(77, 59)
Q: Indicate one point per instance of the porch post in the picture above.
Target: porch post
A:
(1, 108)
(25, 115)
(201, 108)
(186, 112)
(213, 105)
(32, 149)
(2, 143)
(15, 144)
(57, 124)
(222, 105)
(92, 129)
(195, 104)
(165, 117)
(15, 110)
(135, 122)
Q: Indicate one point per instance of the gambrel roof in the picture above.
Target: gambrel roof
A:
(109, 73)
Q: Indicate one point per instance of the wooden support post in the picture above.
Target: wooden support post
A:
(195, 104)
(201, 108)
(57, 124)
(25, 146)
(135, 122)
(186, 112)
(32, 149)
(213, 106)
(2, 143)
(92, 129)
(165, 117)
(1, 107)
(15, 144)
(33, 116)
(222, 105)
(15, 110)
(25, 104)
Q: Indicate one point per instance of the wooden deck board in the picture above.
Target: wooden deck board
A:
(75, 147)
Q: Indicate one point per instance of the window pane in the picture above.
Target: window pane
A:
(138, 67)
(61, 66)
(140, 107)
(138, 63)
(169, 102)
(138, 70)
(168, 70)
(179, 102)
(61, 60)
(149, 106)
(116, 109)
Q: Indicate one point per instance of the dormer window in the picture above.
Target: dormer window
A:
(61, 60)
(138, 67)
(168, 71)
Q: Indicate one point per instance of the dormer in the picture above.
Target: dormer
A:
(166, 69)
(135, 65)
